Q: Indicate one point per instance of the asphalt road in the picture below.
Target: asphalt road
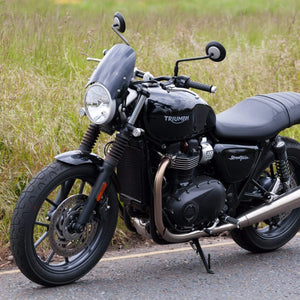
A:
(174, 272)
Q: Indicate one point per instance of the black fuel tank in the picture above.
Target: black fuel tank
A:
(175, 115)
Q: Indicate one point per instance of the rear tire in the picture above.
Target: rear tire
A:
(43, 244)
(264, 237)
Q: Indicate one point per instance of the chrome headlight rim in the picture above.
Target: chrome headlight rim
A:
(106, 112)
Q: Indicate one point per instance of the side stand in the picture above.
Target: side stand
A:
(196, 246)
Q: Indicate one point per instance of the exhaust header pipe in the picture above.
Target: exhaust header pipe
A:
(283, 203)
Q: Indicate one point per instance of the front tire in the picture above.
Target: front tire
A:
(43, 244)
(276, 232)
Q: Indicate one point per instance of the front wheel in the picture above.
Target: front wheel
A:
(45, 247)
(277, 231)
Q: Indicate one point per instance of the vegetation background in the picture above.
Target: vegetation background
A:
(43, 68)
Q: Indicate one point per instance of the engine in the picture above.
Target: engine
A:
(191, 200)
(191, 197)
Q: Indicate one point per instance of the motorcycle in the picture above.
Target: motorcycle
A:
(175, 171)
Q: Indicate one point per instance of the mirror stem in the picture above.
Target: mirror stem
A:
(176, 69)
(119, 34)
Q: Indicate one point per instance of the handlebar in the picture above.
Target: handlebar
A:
(201, 86)
(179, 81)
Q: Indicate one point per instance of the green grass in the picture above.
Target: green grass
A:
(43, 68)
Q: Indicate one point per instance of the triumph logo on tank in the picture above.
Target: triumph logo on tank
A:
(177, 119)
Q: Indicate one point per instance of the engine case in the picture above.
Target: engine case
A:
(195, 205)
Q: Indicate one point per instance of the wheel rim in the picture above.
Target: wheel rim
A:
(45, 232)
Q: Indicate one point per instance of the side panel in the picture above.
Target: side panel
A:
(234, 162)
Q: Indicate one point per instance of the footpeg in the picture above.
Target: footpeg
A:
(232, 221)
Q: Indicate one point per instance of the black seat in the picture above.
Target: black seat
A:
(260, 117)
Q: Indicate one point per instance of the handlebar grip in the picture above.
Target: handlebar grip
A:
(201, 86)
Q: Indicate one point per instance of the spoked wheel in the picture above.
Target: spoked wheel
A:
(277, 231)
(44, 243)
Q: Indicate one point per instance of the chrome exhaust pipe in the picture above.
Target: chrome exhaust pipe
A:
(140, 227)
(283, 203)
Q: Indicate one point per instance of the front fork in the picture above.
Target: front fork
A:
(111, 161)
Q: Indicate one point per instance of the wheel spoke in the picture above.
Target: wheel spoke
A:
(41, 224)
(50, 257)
(63, 193)
(52, 203)
(45, 234)
(65, 189)
(81, 187)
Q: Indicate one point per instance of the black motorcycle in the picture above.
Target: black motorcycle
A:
(175, 171)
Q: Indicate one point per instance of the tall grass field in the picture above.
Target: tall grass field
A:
(43, 67)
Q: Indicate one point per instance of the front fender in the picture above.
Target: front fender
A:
(77, 157)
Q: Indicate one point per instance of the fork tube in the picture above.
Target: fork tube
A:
(138, 109)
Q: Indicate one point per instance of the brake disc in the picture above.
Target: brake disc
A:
(63, 240)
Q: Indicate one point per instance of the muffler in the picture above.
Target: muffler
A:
(283, 203)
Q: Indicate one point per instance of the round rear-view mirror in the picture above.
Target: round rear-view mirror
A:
(119, 22)
(216, 51)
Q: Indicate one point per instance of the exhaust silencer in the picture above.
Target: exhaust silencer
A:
(283, 203)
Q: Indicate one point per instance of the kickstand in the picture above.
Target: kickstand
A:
(196, 246)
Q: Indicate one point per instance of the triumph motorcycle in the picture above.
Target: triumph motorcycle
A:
(175, 171)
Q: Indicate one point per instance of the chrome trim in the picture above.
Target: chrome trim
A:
(111, 105)
(131, 96)
(184, 163)
(172, 88)
(137, 109)
(140, 227)
(93, 59)
(213, 89)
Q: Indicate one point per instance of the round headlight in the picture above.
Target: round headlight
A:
(99, 106)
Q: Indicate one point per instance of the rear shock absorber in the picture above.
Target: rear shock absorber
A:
(282, 164)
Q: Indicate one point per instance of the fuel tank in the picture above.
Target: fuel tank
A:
(175, 115)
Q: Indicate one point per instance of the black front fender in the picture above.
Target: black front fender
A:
(77, 157)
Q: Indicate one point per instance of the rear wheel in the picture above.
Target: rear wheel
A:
(277, 231)
(45, 247)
